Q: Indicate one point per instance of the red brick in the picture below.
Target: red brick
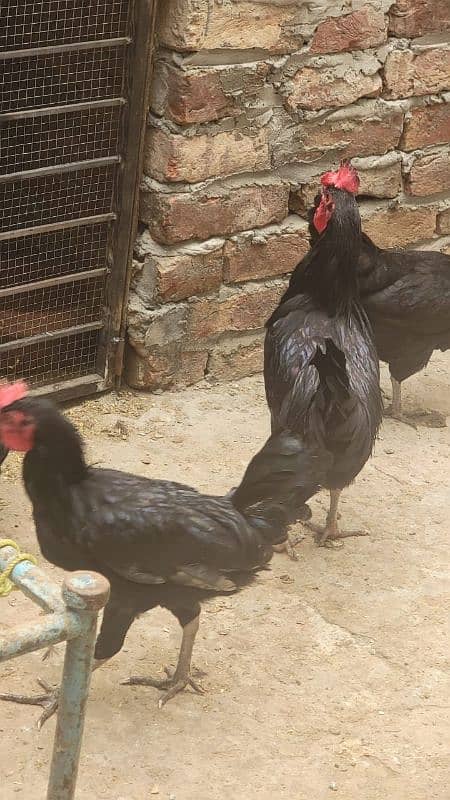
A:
(153, 370)
(361, 29)
(264, 256)
(182, 275)
(191, 367)
(372, 129)
(236, 357)
(195, 97)
(164, 367)
(400, 226)
(426, 125)
(443, 222)
(315, 88)
(430, 174)
(172, 157)
(215, 211)
(188, 25)
(412, 18)
(233, 310)
(407, 74)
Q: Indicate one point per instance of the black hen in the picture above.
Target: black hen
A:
(321, 368)
(158, 543)
(406, 295)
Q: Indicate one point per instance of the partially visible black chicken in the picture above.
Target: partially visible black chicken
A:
(321, 367)
(406, 295)
(157, 542)
(3, 453)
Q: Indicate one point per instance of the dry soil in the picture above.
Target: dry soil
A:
(330, 676)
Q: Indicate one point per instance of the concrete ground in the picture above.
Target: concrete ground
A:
(330, 676)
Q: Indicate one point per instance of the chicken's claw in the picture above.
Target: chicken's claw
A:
(330, 535)
(293, 539)
(48, 701)
(399, 416)
(173, 683)
(49, 653)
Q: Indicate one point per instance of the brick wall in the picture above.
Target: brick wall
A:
(251, 101)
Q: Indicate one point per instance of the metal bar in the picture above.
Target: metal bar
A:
(139, 73)
(69, 47)
(17, 233)
(49, 111)
(74, 388)
(86, 594)
(32, 581)
(56, 628)
(45, 337)
(73, 277)
(59, 169)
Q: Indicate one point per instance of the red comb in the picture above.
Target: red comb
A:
(346, 177)
(10, 392)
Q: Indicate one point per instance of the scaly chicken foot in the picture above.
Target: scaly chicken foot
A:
(330, 534)
(429, 419)
(174, 683)
(293, 539)
(395, 410)
(177, 679)
(48, 701)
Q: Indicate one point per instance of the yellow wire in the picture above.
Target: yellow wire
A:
(6, 584)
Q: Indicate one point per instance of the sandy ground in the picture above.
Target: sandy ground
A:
(330, 676)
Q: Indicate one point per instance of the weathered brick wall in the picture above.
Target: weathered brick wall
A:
(251, 101)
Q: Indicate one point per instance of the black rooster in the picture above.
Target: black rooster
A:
(158, 543)
(406, 295)
(321, 367)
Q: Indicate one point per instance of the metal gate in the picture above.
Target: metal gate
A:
(73, 78)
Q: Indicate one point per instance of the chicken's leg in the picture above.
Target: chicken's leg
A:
(329, 534)
(176, 680)
(395, 410)
(48, 701)
(430, 419)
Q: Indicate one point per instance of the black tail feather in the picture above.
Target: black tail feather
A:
(284, 471)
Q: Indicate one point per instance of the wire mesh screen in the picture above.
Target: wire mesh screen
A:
(65, 79)
(53, 139)
(61, 196)
(51, 309)
(52, 255)
(31, 23)
(52, 359)
(61, 78)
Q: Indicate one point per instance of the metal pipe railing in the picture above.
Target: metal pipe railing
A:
(72, 617)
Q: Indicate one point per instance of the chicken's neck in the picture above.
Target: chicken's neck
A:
(329, 272)
(56, 462)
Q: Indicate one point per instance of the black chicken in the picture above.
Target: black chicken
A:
(406, 295)
(321, 367)
(158, 543)
(3, 453)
